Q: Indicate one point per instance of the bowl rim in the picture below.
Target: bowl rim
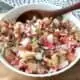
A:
(36, 75)
(3, 61)
(32, 4)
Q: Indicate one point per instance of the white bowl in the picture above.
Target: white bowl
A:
(12, 15)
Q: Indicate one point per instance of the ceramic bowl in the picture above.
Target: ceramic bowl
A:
(12, 15)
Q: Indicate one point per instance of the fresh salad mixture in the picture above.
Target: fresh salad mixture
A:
(40, 46)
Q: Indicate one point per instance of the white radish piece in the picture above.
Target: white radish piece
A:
(38, 56)
(50, 38)
(33, 29)
(25, 42)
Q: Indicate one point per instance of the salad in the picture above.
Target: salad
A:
(40, 46)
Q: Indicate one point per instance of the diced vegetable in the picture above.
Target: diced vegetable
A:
(40, 46)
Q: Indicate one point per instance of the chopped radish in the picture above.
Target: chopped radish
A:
(38, 56)
(50, 38)
(25, 42)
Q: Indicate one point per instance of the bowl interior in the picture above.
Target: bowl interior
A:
(12, 15)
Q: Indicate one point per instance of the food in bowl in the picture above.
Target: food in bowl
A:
(40, 46)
